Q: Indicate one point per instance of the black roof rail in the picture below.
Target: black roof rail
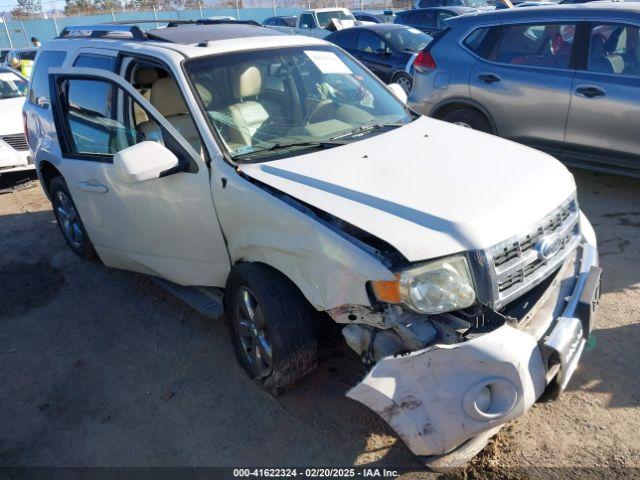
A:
(176, 22)
(100, 31)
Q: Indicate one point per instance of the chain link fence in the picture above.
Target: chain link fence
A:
(17, 31)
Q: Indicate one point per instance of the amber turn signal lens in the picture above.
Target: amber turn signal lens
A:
(387, 290)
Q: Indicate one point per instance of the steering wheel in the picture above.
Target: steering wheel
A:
(321, 104)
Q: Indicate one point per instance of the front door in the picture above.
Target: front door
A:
(605, 105)
(525, 82)
(165, 226)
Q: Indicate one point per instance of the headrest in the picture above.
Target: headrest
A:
(166, 97)
(205, 94)
(146, 76)
(248, 84)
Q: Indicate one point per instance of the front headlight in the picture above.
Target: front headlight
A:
(434, 287)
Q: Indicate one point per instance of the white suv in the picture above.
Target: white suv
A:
(276, 174)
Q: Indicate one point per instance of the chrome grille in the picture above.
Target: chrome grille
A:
(519, 264)
(17, 141)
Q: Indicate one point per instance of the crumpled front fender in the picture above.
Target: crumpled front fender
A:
(435, 399)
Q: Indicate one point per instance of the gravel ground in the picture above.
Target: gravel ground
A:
(101, 367)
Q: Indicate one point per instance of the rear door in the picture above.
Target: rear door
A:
(166, 226)
(605, 97)
(524, 81)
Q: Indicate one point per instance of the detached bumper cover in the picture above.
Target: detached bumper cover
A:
(438, 398)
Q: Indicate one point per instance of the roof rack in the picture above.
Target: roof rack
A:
(175, 23)
(83, 31)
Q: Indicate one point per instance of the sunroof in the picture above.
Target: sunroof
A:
(191, 34)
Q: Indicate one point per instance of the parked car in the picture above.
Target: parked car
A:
(319, 22)
(14, 150)
(375, 16)
(20, 60)
(564, 79)
(524, 3)
(477, 4)
(386, 49)
(281, 21)
(3, 54)
(275, 175)
(431, 20)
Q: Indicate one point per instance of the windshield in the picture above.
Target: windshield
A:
(325, 17)
(26, 55)
(260, 101)
(12, 86)
(407, 39)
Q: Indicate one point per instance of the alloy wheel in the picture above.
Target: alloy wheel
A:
(405, 83)
(252, 332)
(69, 219)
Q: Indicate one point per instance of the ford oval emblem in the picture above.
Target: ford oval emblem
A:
(548, 246)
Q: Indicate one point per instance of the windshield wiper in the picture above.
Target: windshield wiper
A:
(366, 128)
(285, 145)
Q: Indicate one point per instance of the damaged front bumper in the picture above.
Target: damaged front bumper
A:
(446, 401)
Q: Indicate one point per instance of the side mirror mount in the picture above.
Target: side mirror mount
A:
(145, 161)
(398, 92)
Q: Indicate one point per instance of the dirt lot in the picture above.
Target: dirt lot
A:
(102, 368)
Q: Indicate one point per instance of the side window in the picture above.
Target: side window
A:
(103, 62)
(39, 89)
(614, 49)
(370, 43)
(441, 18)
(347, 39)
(307, 21)
(477, 41)
(159, 88)
(98, 120)
(542, 45)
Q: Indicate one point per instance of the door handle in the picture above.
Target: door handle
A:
(92, 186)
(590, 91)
(489, 78)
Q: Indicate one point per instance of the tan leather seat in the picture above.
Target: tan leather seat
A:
(167, 99)
(143, 79)
(248, 115)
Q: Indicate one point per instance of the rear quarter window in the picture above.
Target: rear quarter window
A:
(481, 40)
(40, 77)
(102, 62)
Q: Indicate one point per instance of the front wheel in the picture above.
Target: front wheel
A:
(271, 325)
(69, 221)
(469, 118)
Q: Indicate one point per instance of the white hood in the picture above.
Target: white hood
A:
(429, 188)
(11, 115)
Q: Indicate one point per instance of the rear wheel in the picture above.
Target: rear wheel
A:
(405, 81)
(69, 221)
(469, 118)
(271, 325)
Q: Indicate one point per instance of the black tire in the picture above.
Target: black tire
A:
(404, 80)
(470, 118)
(80, 243)
(286, 322)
